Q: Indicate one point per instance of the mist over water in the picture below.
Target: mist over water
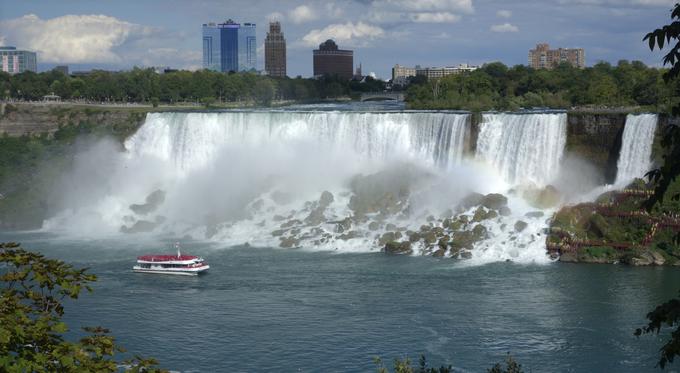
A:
(240, 177)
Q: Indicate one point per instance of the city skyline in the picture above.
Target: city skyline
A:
(381, 32)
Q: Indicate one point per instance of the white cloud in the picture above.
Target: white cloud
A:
(302, 14)
(423, 11)
(503, 13)
(441, 17)
(72, 38)
(464, 6)
(349, 33)
(506, 27)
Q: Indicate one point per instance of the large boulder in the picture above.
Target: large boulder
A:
(316, 216)
(152, 202)
(471, 200)
(494, 201)
(326, 199)
(388, 237)
(543, 198)
(394, 247)
(520, 226)
(289, 242)
(343, 225)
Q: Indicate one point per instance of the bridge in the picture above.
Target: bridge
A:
(382, 96)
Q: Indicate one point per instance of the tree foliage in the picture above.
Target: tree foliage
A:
(667, 315)
(31, 330)
(146, 86)
(496, 86)
(405, 366)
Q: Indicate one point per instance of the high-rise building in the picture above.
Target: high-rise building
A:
(402, 73)
(545, 58)
(329, 60)
(275, 51)
(224, 44)
(247, 47)
(212, 47)
(17, 61)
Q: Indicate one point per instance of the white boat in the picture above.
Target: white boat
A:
(185, 265)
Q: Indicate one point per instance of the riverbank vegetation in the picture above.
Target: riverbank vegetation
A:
(32, 290)
(496, 86)
(203, 86)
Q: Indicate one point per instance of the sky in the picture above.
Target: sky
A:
(120, 34)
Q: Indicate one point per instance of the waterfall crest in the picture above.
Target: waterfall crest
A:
(524, 148)
(192, 140)
(636, 148)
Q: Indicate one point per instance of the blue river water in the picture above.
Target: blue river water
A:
(261, 309)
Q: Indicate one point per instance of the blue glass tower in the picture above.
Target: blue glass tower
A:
(211, 47)
(247, 47)
(229, 46)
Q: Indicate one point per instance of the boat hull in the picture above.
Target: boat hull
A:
(188, 272)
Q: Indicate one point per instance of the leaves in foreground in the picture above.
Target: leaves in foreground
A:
(666, 314)
(405, 366)
(32, 289)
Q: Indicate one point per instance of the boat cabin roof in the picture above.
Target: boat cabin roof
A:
(166, 258)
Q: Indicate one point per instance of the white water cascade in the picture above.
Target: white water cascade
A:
(191, 141)
(636, 148)
(523, 148)
(289, 179)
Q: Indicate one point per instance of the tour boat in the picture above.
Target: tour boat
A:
(186, 265)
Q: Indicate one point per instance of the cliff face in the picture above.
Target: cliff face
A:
(34, 119)
(37, 147)
(596, 138)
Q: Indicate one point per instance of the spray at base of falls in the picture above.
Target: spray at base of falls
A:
(258, 177)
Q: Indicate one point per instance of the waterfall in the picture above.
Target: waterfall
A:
(636, 148)
(321, 180)
(192, 140)
(524, 148)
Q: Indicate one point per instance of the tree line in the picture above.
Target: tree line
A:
(146, 86)
(496, 86)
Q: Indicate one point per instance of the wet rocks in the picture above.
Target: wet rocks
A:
(289, 242)
(534, 214)
(326, 199)
(388, 237)
(494, 201)
(343, 225)
(401, 248)
(520, 226)
(543, 198)
(141, 226)
(152, 202)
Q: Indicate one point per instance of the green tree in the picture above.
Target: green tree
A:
(263, 92)
(405, 366)
(31, 330)
(667, 315)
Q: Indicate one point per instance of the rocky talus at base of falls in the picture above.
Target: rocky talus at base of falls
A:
(615, 229)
